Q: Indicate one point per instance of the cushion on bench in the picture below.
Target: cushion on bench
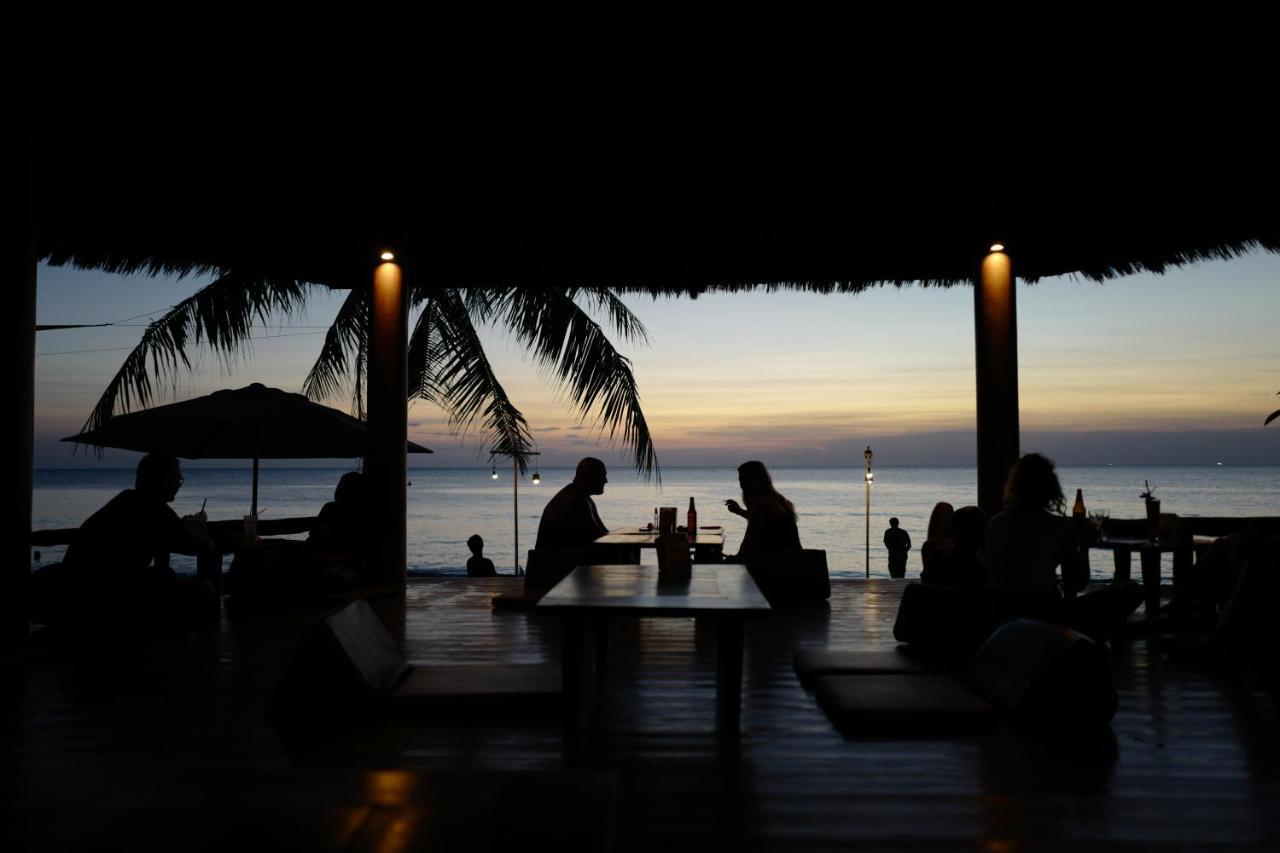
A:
(508, 690)
(872, 704)
(810, 663)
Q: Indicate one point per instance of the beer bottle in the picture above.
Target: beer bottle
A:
(692, 520)
(1077, 510)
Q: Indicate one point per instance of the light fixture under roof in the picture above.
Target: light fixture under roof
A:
(388, 256)
(537, 478)
(997, 247)
(493, 472)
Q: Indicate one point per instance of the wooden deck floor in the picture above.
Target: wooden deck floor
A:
(121, 742)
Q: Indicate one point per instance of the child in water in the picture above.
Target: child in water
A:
(479, 566)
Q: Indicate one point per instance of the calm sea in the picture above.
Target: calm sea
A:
(446, 505)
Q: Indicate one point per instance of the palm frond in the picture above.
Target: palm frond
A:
(624, 322)
(454, 371)
(220, 315)
(571, 345)
(344, 343)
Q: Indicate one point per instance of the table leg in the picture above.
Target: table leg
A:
(1151, 580)
(729, 647)
(573, 662)
(600, 633)
(1182, 559)
(209, 567)
(1123, 562)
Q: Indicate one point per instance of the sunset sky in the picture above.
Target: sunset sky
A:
(1179, 368)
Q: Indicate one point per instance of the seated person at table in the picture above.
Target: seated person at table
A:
(336, 556)
(1029, 541)
(342, 527)
(341, 546)
(479, 566)
(937, 540)
(569, 519)
(120, 556)
(771, 519)
(959, 562)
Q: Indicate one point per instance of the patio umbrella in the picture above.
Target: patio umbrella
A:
(254, 422)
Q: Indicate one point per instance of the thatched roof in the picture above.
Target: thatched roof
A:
(1096, 175)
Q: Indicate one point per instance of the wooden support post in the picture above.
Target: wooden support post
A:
(996, 337)
(19, 278)
(386, 464)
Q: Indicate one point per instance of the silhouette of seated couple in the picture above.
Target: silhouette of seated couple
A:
(571, 520)
(337, 556)
(1017, 556)
(118, 565)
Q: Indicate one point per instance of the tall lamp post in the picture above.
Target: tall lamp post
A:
(515, 496)
(870, 477)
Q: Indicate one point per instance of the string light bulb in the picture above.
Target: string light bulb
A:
(493, 472)
(537, 478)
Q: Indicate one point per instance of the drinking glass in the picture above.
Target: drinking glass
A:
(1100, 518)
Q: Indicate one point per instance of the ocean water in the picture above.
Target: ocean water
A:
(446, 505)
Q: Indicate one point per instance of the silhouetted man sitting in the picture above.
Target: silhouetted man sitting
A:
(120, 557)
(570, 519)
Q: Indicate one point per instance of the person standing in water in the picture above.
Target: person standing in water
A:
(898, 541)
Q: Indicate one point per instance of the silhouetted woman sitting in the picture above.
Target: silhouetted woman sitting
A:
(937, 541)
(959, 562)
(771, 519)
(1030, 540)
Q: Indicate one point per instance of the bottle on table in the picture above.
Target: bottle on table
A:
(654, 524)
(692, 520)
(1077, 509)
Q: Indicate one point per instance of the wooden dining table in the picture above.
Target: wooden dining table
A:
(707, 544)
(1149, 552)
(724, 592)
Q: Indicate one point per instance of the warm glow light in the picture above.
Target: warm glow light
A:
(387, 256)
(870, 477)
(537, 478)
(997, 247)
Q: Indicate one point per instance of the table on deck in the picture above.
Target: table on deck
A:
(1149, 552)
(725, 592)
(707, 545)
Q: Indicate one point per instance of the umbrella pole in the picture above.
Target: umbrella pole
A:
(254, 510)
(515, 509)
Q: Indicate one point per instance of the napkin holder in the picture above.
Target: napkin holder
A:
(667, 519)
(673, 555)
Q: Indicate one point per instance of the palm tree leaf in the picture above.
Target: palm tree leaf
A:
(564, 339)
(456, 374)
(625, 323)
(1271, 417)
(344, 344)
(221, 315)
